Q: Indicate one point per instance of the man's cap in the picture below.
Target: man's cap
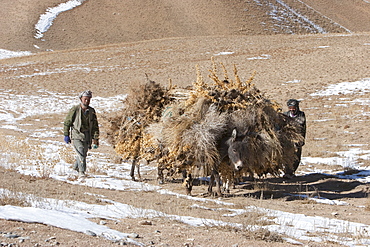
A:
(292, 102)
(86, 93)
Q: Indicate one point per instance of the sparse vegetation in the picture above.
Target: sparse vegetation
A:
(13, 198)
(30, 153)
(265, 235)
(67, 154)
(262, 185)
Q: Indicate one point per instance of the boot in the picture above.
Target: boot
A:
(81, 175)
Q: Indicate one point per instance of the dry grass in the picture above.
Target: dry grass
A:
(252, 227)
(24, 153)
(14, 199)
(67, 154)
(262, 185)
(95, 168)
(264, 235)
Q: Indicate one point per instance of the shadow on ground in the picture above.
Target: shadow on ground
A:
(311, 185)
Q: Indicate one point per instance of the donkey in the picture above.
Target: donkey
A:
(232, 152)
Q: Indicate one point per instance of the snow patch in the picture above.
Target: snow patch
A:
(358, 87)
(46, 20)
(8, 54)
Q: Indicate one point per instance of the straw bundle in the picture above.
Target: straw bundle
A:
(184, 133)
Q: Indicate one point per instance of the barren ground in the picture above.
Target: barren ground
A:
(135, 45)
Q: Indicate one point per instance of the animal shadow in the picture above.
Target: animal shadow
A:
(312, 185)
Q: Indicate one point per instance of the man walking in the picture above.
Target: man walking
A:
(81, 127)
(299, 116)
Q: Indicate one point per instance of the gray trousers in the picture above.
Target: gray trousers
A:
(81, 148)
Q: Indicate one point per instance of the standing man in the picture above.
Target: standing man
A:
(299, 116)
(81, 126)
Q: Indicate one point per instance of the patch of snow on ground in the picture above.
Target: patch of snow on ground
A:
(55, 212)
(358, 87)
(294, 81)
(14, 108)
(263, 56)
(304, 18)
(46, 20)
(224, 53)
(8, 54)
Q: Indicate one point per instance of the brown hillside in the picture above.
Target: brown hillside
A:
(112, 21)
(353, 15)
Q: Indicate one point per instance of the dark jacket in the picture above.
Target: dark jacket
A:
(300, 118)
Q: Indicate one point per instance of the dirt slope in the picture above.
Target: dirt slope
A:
(113, 21)
(353, 15)
(311, 61)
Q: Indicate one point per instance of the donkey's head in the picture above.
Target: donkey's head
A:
(237, 149)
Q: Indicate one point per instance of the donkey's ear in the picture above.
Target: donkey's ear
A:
(233, 135)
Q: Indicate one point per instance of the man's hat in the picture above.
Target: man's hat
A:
(86, 93)
(292, 102)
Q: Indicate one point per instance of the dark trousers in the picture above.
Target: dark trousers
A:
(290, 170)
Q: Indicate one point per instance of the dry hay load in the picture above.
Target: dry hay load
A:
(143, 106)
(192, 137)
(184, 134)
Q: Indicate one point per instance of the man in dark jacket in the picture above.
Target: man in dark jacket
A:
(299, 116)
(81, 126)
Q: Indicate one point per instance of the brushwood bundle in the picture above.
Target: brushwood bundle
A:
(185, 133)
(143, 106)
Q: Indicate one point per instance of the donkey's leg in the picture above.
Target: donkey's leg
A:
(132, 172)
(225, 185)
(188, 184)
(218, 187)
(184, 174)
(215, 177)
(211, 181)
(138, 170)
(160, 177)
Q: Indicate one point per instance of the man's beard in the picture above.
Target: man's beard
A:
(293, 113)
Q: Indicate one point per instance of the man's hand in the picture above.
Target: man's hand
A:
(95, 143)
(67, 139)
